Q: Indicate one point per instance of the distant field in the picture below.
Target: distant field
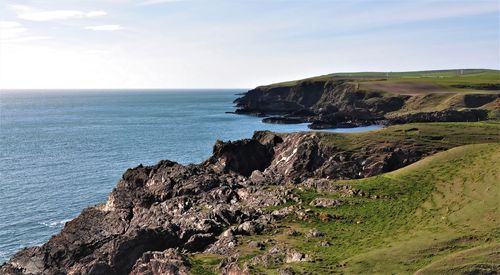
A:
(414, 83)
(433, 82)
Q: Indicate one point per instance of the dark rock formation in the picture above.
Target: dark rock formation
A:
(242, 156)
(441, 116)
(332, 103)
(339, 103)
(480, 86)
(157, 214)
(168, 262)
(282, 120)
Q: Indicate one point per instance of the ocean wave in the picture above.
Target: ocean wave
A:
(55, 224)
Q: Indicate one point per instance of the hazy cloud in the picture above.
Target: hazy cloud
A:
(11, 29)
(34, 14)
(154, 2)
(104, 28)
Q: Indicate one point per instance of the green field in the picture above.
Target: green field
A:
(427, 136)
(436, 216)
(442, 78)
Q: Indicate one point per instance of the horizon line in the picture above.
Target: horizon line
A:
(116, 89)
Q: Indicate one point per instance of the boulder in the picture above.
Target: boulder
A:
(242, 156)
(325, 202)
(168, 262)
(314, 233)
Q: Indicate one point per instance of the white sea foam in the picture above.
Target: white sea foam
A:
(55, 224)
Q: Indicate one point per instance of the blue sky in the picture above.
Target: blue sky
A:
(235, 43)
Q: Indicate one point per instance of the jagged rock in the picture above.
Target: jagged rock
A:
(198, 242)
(292, 232)
(168, 262)
(296, 158)
(267, 138)
(324, 202)
(330, 102)
(256, 245)
(283, 212)
(234, 269)
(441, 116)
(286, 271)
(255, 226)
(224, 245)
(275, 255)
(295, 256)
(314, 233)
(282, 120)
(242, 156)
(257, 177)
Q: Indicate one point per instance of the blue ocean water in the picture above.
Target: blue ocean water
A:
(61, 151)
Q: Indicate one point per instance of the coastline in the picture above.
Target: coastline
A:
(167, 217)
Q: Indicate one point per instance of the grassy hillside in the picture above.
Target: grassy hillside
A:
(437, 216)
(442, 80)
(431, 135)
(454, 216)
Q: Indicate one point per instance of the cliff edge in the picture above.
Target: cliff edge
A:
(357, 99)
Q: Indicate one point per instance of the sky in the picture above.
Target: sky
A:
(235, 43)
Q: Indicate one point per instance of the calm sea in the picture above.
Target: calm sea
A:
(61, 151)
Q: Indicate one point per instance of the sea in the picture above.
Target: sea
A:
(64, 150)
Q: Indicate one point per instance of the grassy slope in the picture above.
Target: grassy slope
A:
(437, 215)
(443, 79)
(456, 218)
(430, 135)
(440, 77)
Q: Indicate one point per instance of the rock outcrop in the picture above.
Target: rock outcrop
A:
(340, 103)
(156, 215)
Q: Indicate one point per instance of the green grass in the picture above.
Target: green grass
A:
(438, 135)
(458, 197)
(441, 77)
(436, 216)
(202, 264)
(428, 212)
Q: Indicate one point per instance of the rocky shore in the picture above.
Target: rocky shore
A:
(158, 215)
(340, 102)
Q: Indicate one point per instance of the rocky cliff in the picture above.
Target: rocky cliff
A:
(331, 102)
(157, 216)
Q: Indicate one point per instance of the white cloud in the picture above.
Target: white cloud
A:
(9, 24)
(33, 14)
(11, 30)
(30, 38)
(96, 13)
(104, 28)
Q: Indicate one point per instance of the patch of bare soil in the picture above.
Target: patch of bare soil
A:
(406, 87)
